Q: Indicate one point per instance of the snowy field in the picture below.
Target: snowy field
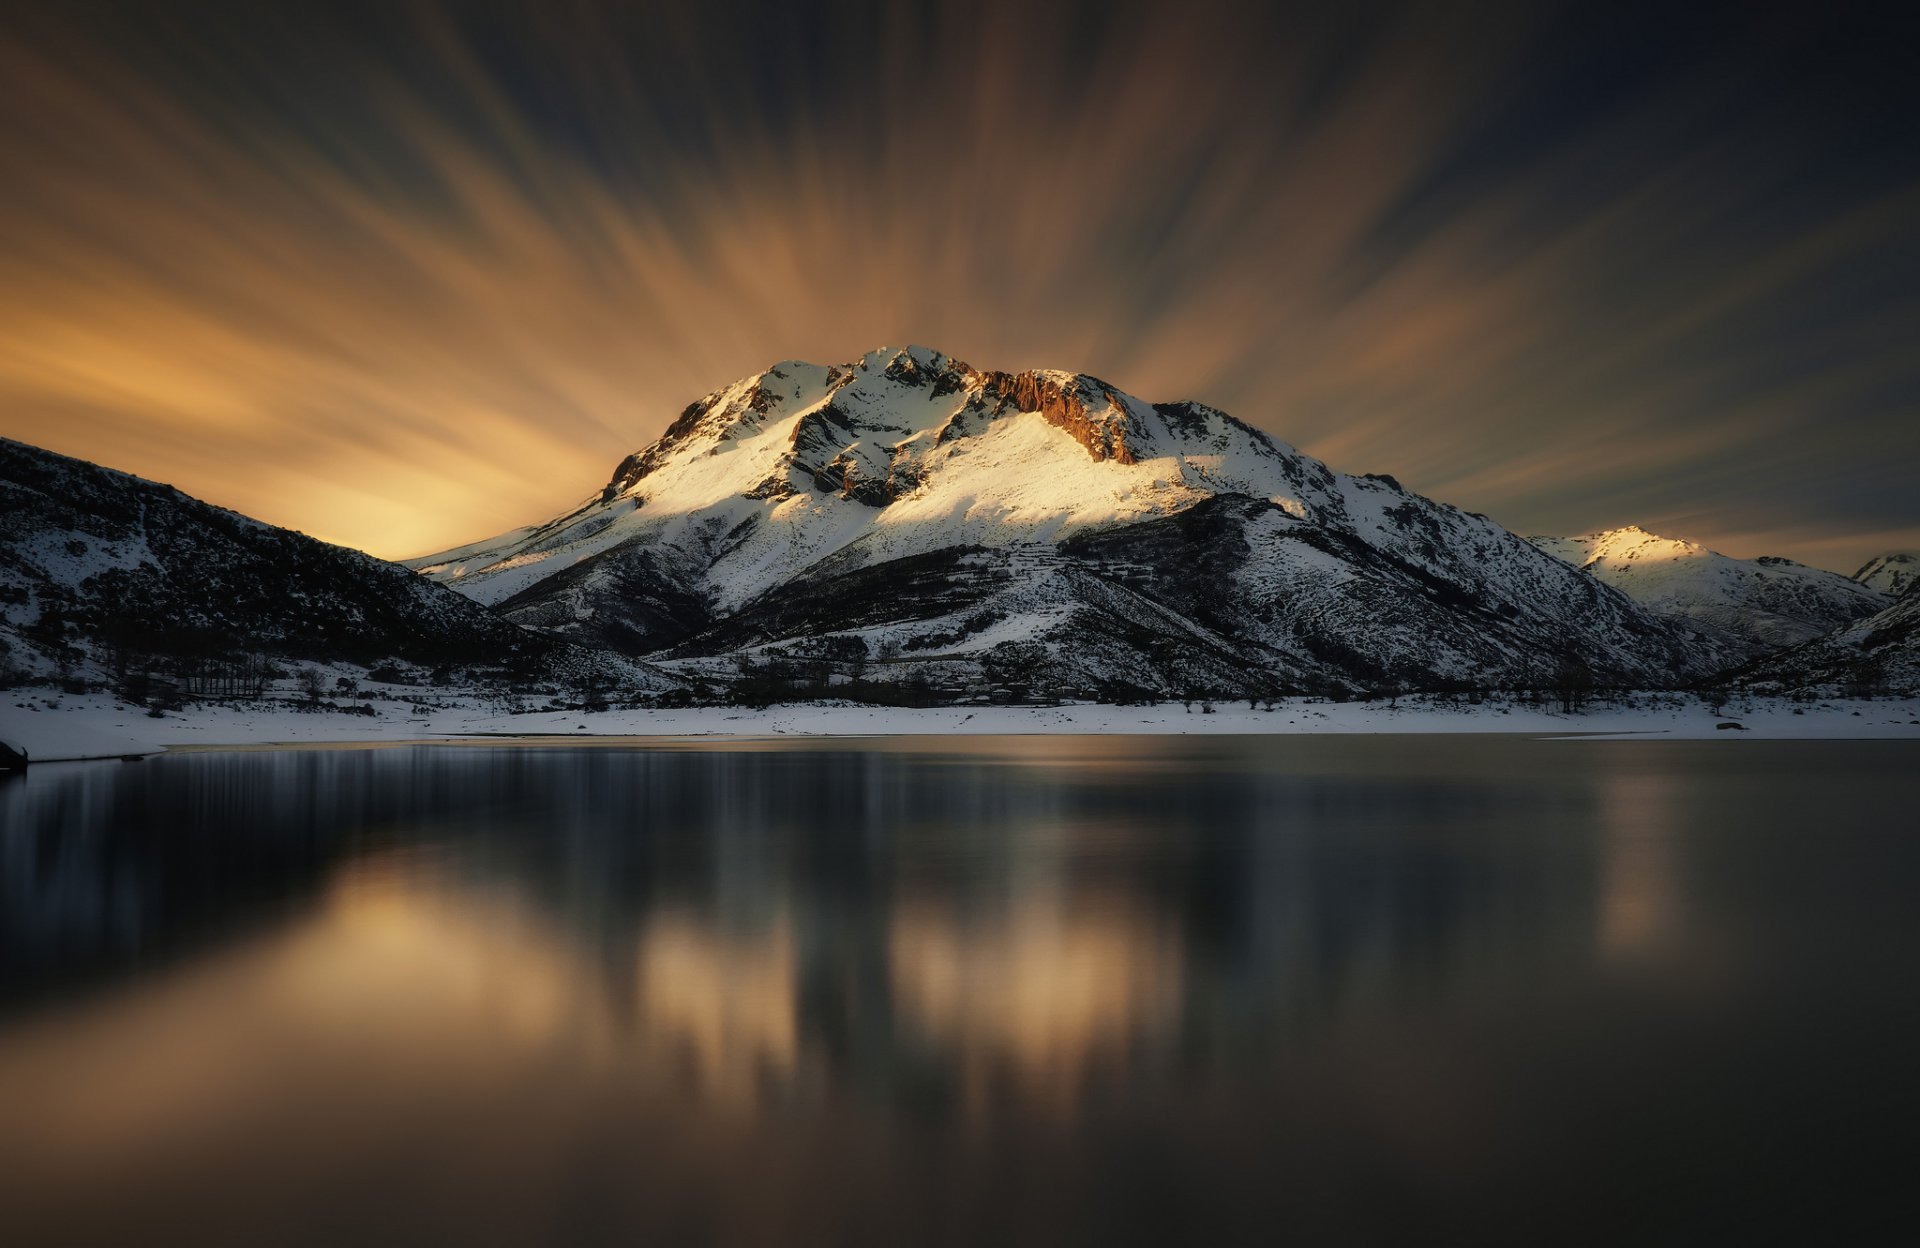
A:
(53, 727)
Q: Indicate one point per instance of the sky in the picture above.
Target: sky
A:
(405, 275)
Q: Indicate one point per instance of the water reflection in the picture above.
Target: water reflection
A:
(729, 1003)
(1641, 897)
(1038, 915)
(1092, 984)
(1040, 995)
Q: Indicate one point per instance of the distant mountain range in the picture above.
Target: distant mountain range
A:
(906, 519)
(1753, 606)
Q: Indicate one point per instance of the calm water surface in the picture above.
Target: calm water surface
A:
(1029, 990)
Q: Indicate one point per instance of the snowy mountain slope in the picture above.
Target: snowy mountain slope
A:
(900, 453)
(1753, 605)
(977, 617)
(1343, 602)
(1204, 599)
(96, 562)
(727, 531)
(1877, 655)
(1890, 574)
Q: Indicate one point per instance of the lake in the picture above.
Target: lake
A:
(1013, 990)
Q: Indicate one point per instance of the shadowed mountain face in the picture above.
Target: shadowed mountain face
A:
(98, 567)
(958, 522)
(1880, 654)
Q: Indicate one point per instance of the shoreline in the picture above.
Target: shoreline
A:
(70, 728)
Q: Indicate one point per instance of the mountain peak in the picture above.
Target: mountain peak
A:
(869, 430)
(1627, 544)
(1633, 537)
(884, 357)
(912, 502)
(1892, 573)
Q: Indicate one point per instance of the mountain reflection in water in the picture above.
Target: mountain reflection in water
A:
(1017, 990)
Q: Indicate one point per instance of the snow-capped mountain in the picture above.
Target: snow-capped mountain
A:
(912, 508)
(1891, 574)
(99, 568)
(1753, 605)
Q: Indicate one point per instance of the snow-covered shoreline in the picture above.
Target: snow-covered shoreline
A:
(64, 728)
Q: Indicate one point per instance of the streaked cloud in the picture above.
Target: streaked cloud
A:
(404, 276)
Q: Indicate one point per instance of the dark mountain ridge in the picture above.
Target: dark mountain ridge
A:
(99, 568)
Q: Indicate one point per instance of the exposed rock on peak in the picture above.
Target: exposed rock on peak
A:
(1087, 408)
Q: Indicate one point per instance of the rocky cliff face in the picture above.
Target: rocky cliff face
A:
(1090, 534)
(1089, 411)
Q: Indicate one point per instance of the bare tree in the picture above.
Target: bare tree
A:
(1573, 683)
